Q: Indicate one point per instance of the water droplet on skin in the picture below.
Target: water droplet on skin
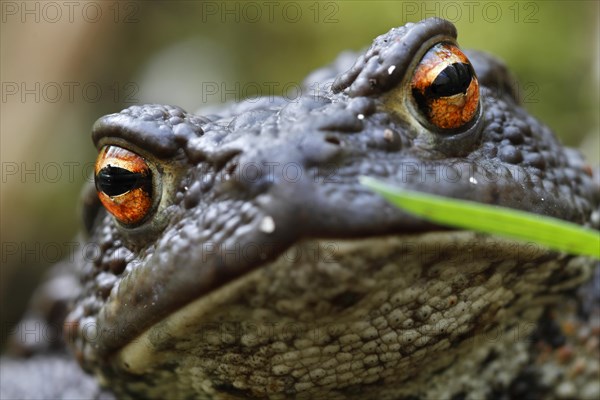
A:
(267, 225)
(473, 180)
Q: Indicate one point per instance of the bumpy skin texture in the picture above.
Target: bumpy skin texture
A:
(375, 303)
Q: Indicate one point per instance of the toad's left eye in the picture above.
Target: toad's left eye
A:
(124, 184)
(445, 88)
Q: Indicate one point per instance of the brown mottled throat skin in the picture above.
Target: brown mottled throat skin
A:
(265, 270)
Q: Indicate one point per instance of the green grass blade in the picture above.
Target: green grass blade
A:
(551, 232)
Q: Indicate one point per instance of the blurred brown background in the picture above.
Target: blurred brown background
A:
(64, 64)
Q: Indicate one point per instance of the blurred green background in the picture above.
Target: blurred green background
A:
(64, 66)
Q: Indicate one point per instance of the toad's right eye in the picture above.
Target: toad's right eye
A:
(445, 88)
(124, 184)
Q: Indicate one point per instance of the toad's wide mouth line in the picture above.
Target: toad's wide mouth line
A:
(150, 294)
(346, 257)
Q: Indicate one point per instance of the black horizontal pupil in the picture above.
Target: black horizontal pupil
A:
(115, 181)
(453, 79)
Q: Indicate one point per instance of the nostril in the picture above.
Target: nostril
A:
(230, 170)
(333, 140)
